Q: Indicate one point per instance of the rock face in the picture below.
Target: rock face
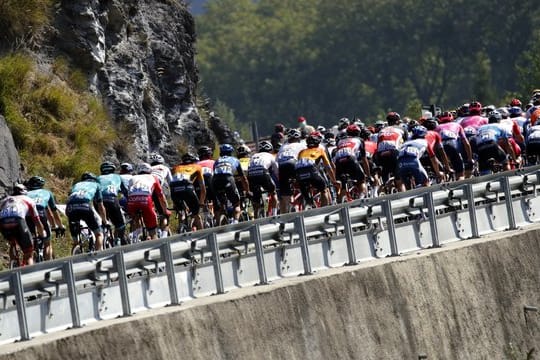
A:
(9, 161)
(139, 56)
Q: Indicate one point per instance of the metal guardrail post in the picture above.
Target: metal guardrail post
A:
(212, 241)
(505, 183)
(301, 230)
(472, 213)
(72, 293)
(122, 282)
(18, 290)
(387, 207)
(171, 275)
(428, 201)
(347, 228)
(255, 233)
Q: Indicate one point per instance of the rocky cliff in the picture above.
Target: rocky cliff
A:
(9, 161)
(139, 56)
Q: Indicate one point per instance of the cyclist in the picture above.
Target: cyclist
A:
(308, 172)
(112, 187)
(226, 167)
(286, 159)
(278, 136)
(163, 173)
(474, 118)
(456, 145)
(388, 143)
(14, 212)
(84, 199)
(188, 186)
(492, 142)
(263, 173)
(350, 159)
(48, 212)
(143, 188)
(409, 165)
(126, 172)
(207, 164)
(532, 144)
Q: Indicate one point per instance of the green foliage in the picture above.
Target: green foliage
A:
(22, 20)
(58, 130)
(272, 60)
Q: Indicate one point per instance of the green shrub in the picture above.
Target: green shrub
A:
(22, 20)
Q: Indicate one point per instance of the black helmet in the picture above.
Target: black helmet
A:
(393, 118)
(19, 189)
(107, 167)
(313, 140)
(35, 182)
(294, 134)
(189, 158)
(126, 168)
(205, 152)
(494, 117)
(265, 146)
(88, 176)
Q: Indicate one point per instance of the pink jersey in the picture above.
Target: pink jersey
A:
(207, 166)
(474, 121)
(451, 131)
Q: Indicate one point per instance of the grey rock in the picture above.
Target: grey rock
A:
(9, 161)
(139, 56)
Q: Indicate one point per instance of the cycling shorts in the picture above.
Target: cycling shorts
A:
(16, 229)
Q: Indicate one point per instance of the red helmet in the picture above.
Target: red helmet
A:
(445, 117)
(515, 102)
(475, 108)
(353, 130)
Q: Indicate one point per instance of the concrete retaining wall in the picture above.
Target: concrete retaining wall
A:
(465, 301)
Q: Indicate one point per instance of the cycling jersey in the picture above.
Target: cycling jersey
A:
(13, 213)
(44, 199)
(262, 173)
(487, 141)
(111, 187)
(474, 121)
(163, 173)
(185, 180)
(390, 138)
(80, 206)
(228, 165)
(286, 159)
(140, 190)
(409, 164)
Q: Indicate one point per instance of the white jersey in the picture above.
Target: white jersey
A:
(262, 162)
(289, 151)
(163, 173)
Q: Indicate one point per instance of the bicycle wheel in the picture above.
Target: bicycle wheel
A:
(76, 250)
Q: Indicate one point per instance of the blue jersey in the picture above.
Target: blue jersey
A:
(491, 133)
(228, 165)
(111, 186)
(43, 198)
(85, 192)
(413, 148)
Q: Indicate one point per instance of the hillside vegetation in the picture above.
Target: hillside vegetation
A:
(272, 60)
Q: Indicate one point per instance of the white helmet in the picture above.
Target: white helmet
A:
(156, 158)
(144, 168)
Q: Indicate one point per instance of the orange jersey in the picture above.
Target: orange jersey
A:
(188, 172)
(312, 157)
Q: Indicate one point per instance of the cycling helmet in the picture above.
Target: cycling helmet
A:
(431, 123)
(321, 129)
(126, 168)
(107, 167)
(353, 130)
(393, 118)
(463, 110)
(365, 134)
(488, 109)
(330, 141)
(294, 134)
(35, 182)
(19, 189)
(504, 112)
(265, 146)
(189, 158)
(243, 151)
(494, 117)
(313, 140)
(144, 168)
(515, 111)
(226, 150)
(205, 152)
(412, 123)
(155, 159)
(379, 124)
(419, 131)
(445, 117)
(89, 176)
(475, 108)
(470, 131)
(344, 121)
(279, 128)
(515, 102)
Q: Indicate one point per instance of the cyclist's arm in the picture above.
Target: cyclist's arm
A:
(202, 187)
(328, 167)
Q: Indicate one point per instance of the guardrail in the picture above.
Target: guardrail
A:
(72, 292)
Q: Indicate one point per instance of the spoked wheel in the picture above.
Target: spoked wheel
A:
(76, 250)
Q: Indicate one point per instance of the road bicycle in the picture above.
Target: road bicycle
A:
(84, 240)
